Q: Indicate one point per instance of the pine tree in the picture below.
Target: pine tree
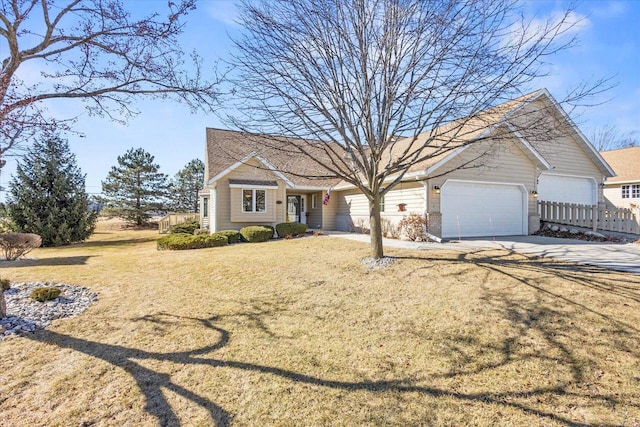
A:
(134, 187)
(47, 195)
(185, 186)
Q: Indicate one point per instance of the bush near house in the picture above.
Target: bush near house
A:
(413, 227)
(184, 241)
(289, 229)
(257, 233)
(233, 236)
(187, 227)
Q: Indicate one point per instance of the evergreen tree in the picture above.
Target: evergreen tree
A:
(47, 195)
(185, 186)
(134, 187)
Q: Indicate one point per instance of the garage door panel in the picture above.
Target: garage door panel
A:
(471, 209)
(566, 189)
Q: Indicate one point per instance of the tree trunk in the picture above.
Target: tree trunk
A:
(375, 227)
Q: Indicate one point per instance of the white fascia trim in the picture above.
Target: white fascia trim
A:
(213, 208)
(578, 132)
(542, 161)
(628, 182)
(275, 170)
(244, 161)
(254, 186)
(448, 157)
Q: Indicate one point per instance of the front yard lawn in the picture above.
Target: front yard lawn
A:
(299, 332)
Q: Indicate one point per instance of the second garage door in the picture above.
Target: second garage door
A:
(567, 189)
(473, 209)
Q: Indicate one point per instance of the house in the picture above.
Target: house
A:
(623, 190)
(488, 188)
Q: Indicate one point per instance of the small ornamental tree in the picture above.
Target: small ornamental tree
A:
(185, 186)
(47, 195)
(134, 187)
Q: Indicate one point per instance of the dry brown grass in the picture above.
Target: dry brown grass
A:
(298, 332)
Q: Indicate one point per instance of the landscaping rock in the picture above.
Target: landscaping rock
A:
(574, 231)
(27, 315)
(377, 263)
(564, 230)
(555, 228)
(595, 234)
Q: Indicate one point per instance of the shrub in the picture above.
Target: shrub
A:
(256, 233)
(389, 229)
(201, 231)
(414, 227)
(362, 225)
(189, 241)
(15, 245)
(45, 294)
(187, 227)
(6, 284)
(287, 229)
(233, 236)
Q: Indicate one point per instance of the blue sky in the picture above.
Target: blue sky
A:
(609, 46)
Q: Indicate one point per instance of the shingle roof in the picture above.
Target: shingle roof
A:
(226, 147)
(625, 162)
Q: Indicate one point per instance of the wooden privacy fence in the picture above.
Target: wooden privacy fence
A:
(170, 220)
(597, 218)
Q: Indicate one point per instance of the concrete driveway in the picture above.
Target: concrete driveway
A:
(619, 257)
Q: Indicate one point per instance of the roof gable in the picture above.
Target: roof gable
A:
(226, 150)
(243, 161)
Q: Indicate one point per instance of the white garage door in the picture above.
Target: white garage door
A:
(566, 189)
(471, 209)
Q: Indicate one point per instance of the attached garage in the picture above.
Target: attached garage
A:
(473, 209)
(567, 189)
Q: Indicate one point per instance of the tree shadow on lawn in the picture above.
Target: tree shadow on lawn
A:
(152, 383)
(38, 262)
(115, 242)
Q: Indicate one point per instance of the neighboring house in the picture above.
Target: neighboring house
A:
(252, 179)
(623, 190)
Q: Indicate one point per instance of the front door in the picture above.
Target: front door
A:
(293, 208)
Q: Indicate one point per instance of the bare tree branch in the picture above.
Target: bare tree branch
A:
(382, 85)
(95, 51)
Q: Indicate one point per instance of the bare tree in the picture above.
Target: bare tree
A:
(93, 51)
(344, 79)
(609, 137)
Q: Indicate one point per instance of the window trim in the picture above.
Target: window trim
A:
(253, 200)
(625, 191)
(205, 207)
(314, 201)
(635, 191)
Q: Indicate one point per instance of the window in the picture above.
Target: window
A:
(205, 207)
(635, 191)
(314, 201)
(254, 200)
(382, 204)
(625, 191)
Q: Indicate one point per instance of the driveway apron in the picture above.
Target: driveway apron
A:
(612, 256)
